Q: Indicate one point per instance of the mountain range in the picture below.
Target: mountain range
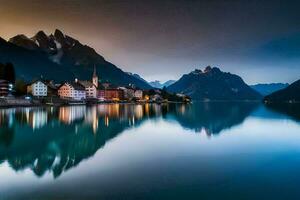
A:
(60, 57)
(213, 84)
(266, 89)
(158, 84)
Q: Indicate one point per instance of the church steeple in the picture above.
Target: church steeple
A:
(95, 77)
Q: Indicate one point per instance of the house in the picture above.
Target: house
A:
(90, 86)
(74, 91)
(4, 88)
(110, 94)
(37, 88)
(51, 88)
(128, 92)
(156, 97)
(90, 89)
(138, 94)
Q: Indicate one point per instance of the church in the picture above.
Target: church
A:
(91, 86)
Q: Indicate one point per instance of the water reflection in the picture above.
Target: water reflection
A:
(292, 110)
(56, 139)
(212, 118)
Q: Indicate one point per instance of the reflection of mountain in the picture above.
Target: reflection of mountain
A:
(212, 117)
(290, 109)
(57, 139)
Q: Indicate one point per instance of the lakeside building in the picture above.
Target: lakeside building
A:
(138, 94)
(131, 93)
(90, 86)
(51, 88)
(38, 89)
(74, 91)
(4, 88)
(90, 89)
(128, 92)
(41, 88)
(110, 94)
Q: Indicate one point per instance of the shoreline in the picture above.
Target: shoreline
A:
(81, 104)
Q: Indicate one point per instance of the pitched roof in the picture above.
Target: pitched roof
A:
(75, 85)
(38, 80)
(86, 84)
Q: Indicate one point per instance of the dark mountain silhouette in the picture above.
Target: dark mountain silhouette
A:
(289, 94)
(60, 57)
(266, 89)
(213, 84)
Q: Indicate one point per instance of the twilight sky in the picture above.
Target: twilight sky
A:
(162, 39)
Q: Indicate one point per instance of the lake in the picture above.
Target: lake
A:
(168, 151)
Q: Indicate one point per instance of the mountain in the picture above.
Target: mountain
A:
(60, 57)
(266, 89)
(158, 84)
(289, 94)
(213, 84)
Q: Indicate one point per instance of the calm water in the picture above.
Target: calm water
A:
(199, 151)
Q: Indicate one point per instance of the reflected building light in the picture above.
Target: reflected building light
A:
(182, 109)
(95, 126)
(147, 109)
(76, 129)
(11, 117)
(38, 119)
(106, 121)
(94, 120)
(27, 114)
(70, 114)
(138, 111)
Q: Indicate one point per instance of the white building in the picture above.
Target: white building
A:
(90, 89)
(90, 86)
(37, 88)
(73, 91)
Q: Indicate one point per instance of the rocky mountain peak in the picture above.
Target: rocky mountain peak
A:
(207, 69)
(41, 35)
(58, 34)
(213, 84)
(210, 69)
(23, 41)
(61, 57)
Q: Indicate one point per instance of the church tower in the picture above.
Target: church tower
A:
(95, 77)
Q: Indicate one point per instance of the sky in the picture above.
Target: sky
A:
(164, 39)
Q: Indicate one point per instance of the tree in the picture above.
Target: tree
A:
(10, 73)
(21, 87)
(7, 72)
(2, 71)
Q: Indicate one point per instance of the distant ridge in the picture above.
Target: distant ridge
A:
(158, 84)
(214, 85)
(266, 89)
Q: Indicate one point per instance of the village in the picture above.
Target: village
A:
(47, 92)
